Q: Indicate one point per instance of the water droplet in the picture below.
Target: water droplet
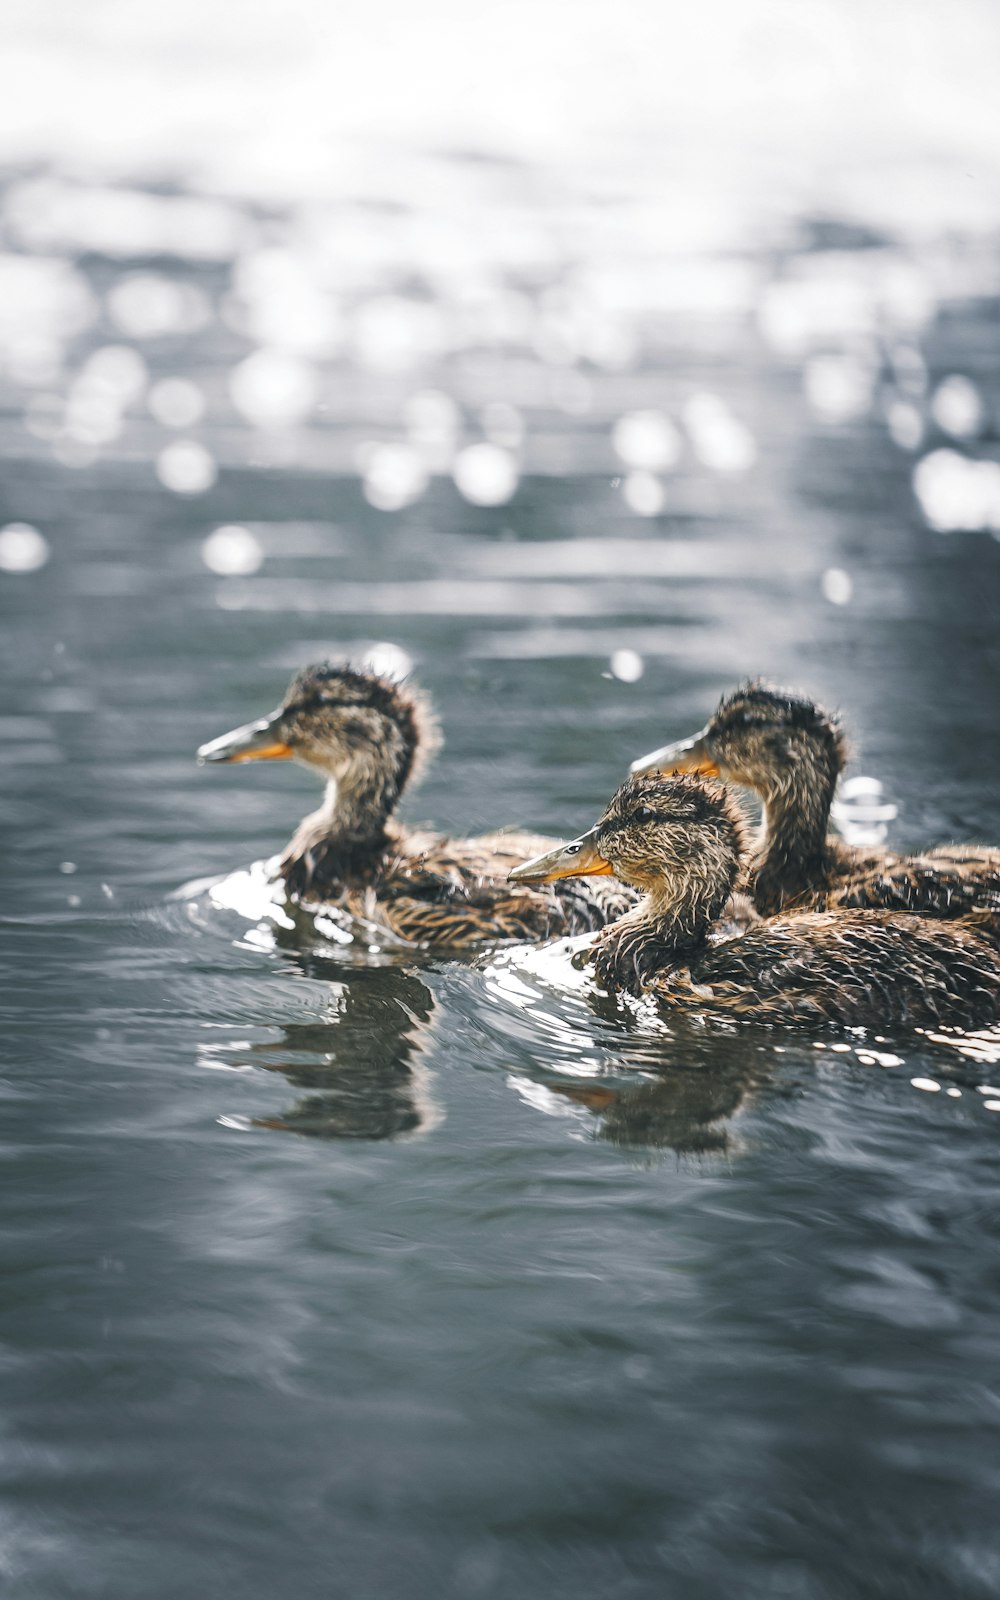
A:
(927, 1084)
(22, 548)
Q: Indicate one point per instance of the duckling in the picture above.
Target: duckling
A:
(682, 842)
(792, 752)
(369, 736)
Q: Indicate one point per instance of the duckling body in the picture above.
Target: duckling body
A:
(368, 736)
(791, 753)
(682, 843)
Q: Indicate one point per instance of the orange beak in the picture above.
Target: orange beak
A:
(256, 741)
(580, 859)
(687, 755)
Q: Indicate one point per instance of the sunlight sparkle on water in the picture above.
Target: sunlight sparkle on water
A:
(646, 440)
(146, 305)
(957, 407)
(186, 467)
(176, 402)
(232, 552)
(389, 659)
(394, 476)
(643, 493)
(273, 388)
(394, 334)
(42, 303)
(860, 810)
(721, 441)
(485, 474)
(905, 424)
(431, 417)
(837, 586)
(957, 494)
(433, 422)
(627, 666)
(838, 388)
(118, 371)
(280, 304)
(503, 424)
(22, 548)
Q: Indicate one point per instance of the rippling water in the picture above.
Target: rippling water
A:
(340, 1272)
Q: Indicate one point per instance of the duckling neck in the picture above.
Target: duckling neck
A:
(794, 853)
(345, 839)
(663, 930)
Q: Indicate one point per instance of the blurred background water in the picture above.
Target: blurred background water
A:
(585, 361)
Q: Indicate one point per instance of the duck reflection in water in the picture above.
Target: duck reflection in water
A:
(624, 1074)
(363, 1068)
(687, 1107)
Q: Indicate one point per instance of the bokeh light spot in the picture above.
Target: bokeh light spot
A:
(957, 407)
(273, 388)
(644, 494)
(176, 402)
(646, 440)
(186, 467)
(485, 474)
(394, 476)
(627, 666)
(837, 586)
(232, 552)
(22, 548)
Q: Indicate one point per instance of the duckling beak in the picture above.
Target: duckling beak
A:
(687, 755)
(255, 741)
(580, 859)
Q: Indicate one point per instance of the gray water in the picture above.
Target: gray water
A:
(331, 1272)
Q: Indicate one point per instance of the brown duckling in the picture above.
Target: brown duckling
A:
(682, 842)
(791, 752)
(368, 736)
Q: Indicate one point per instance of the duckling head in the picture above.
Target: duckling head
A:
(764, 738)
(679, 840)
(362, 730)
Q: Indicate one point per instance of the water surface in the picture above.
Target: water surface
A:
(331, 1272)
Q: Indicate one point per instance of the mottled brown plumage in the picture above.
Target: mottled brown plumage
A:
(369, 735)
(791, 752)
(680, 841)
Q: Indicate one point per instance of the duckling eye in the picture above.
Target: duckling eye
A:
(644, 814)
